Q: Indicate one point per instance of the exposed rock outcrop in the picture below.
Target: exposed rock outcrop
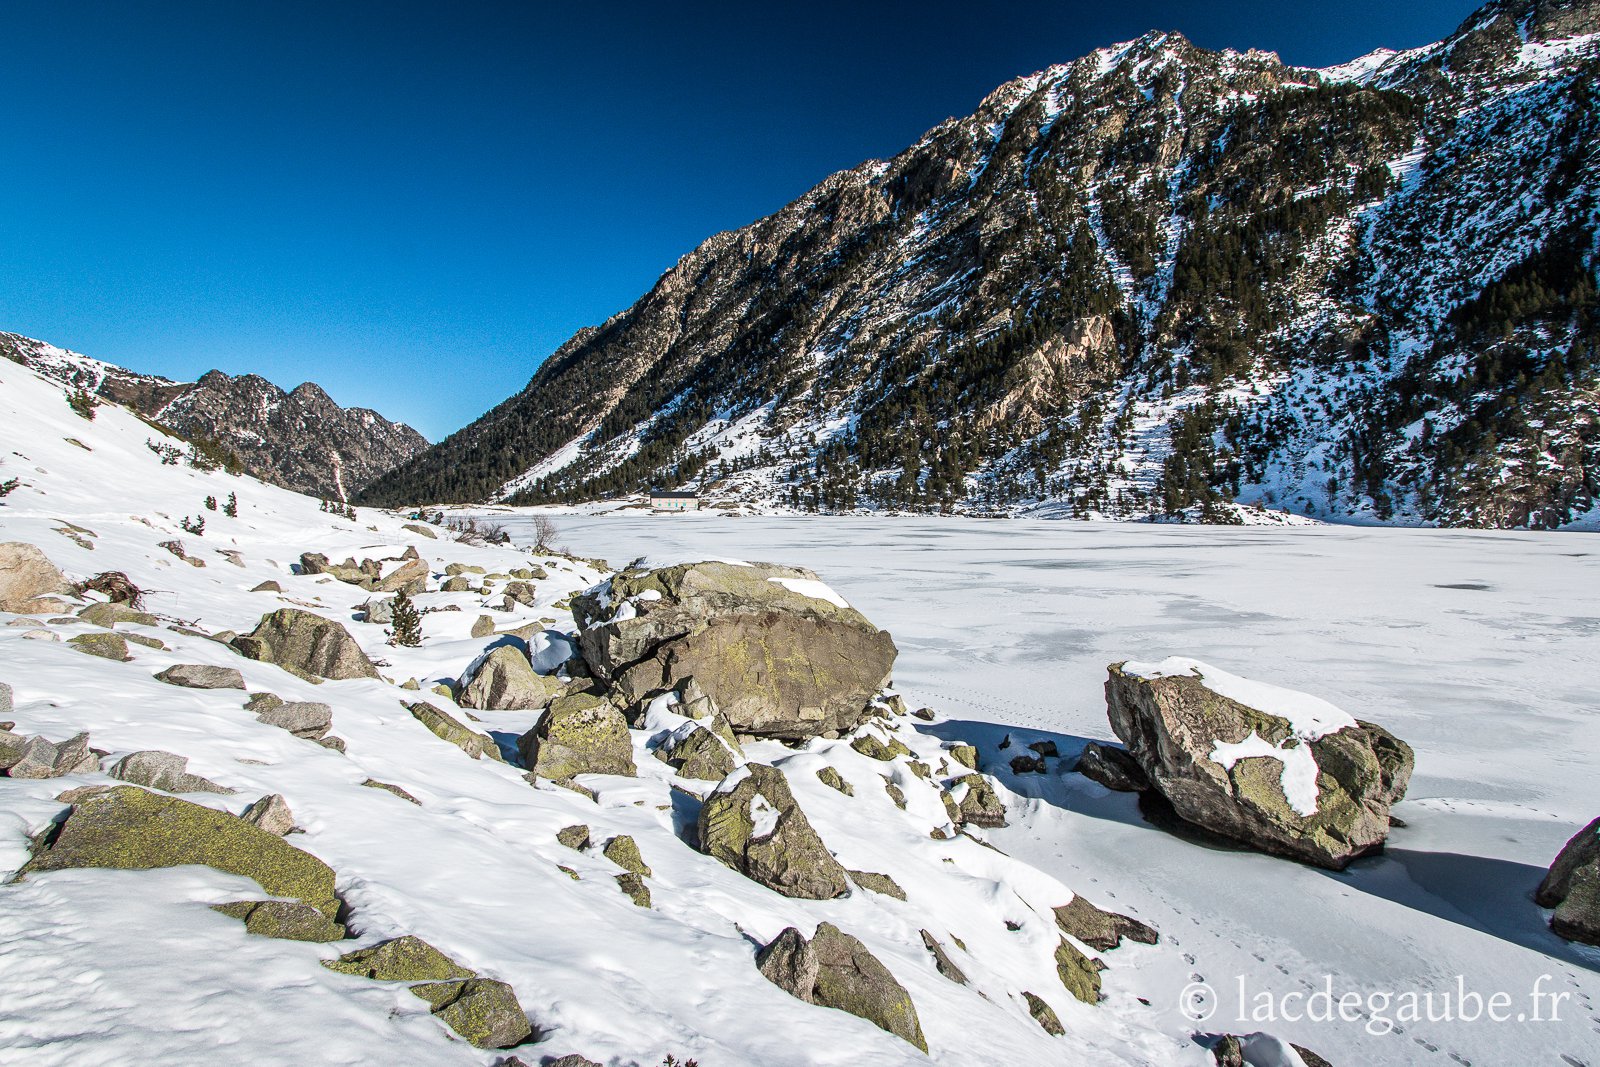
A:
(506, 681)
(29, 582)
(580, 733)
(1572, 888)
(306, 644)
(753, 824)
(835, 970)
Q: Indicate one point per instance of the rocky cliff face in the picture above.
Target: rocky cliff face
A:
(1158, 280)
(300, 440)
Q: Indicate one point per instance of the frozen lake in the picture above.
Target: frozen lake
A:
(1478, 648)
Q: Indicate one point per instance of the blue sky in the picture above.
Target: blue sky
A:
(414, 203)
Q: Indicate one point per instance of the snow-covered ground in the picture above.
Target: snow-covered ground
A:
(1478, 648)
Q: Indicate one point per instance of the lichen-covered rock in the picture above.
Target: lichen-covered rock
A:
(973, 800)
(878, 883)
(36, 757)
(580, 733)
(483, 626)
(155, 769)
(1079, 973)
(835, 970)
(379, 611)
(202, 676)
(966, 755)
(458, 584)
(1572, 888)
(1099, 929)
(271, 813)
(109, 615)
(309, 719)
(105, 645)
(482, 1010)
(402, 959)
(287, 920)
(872, 746)
(506, 681)
(830, 777)
(1044, 1015)
(624, 852)
(634, 888)
(1300, 779)
(306, 643)
(575, 837)
(776, 659)
(127, 828)
(941, 959)
(521, 593)
(29, 582)
(267, 587)
(1112, 768)
(451, 729)
(392, 789)
(707, 753)
(752, 824)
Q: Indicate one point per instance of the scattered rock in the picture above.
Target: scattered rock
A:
(402, 959)
(875, 747)
(574, 837)
(624, 852)
(1044, 1015)
(29, 582)
(520, 593)
(580, 733)
(966, 755)
(702, 752)
(1112, 768)
(1572, 888)
(777, 661)
(483, 626)
(267, 587)
(1079, 973)
(306, 644)
(505, 681)
(752, 824)
(878, 883)
(155, 769)
(976, 802)
(573, 1060)
(455, 585)
(336, 744)
(1232, 1051)
(104, 645)
(454, 569)
(1101, 930)
(177, 549)
(896, 794)
(271, 813)
(109, 615)
(941, 959)
(379, 611)
(127, 828)
(1027, 765)
(830, 777)
(6, 704)
(421, 530)
(1175, 724)
(483, 1011)
(36, 757)
(633, 886)
(373, 783)
(454, 731)
(287, 920)
(835, 970)
(1045, 749)
(202, 676)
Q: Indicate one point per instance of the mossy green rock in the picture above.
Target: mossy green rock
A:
(788, 857)
(104, 645)
(633, 886)
(580, 733)
(109, 615)
(483, 1011)
(127, 828)
(284, 919)
(306, 643)
(575, 837)
(448, 728)
(830, 776)
(878, 883)
(1172, 725)
(624, 852)
(402, 959)
(835, 970)
(941, 959)
(1100, 929)
(704, 754)
(979, 804)
(777, 662)
(1044, 1015)
(506, 681)
(1079, 973)
(874, 747)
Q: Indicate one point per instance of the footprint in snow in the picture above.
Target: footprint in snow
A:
(1573, 1061)
(1188, 957)
(1426, 1045)
(1461, 1059)
(1196, 976)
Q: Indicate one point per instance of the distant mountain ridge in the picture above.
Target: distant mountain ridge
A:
(300, 440)
(1156, 281)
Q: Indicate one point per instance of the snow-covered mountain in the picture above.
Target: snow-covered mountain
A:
(301, 439)
(1156, 280)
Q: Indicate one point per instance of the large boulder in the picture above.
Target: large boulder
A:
(580, 733)
(779, 653)
(1281, 771)
(1572, 888)
(29, 582)
(127, 828)
(752, 824)
(505, 680)
(835, 970)
(307, 644)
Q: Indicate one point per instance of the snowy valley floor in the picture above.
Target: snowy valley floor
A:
(1481, 649)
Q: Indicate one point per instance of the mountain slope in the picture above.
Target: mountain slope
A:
(300, 440)
(1153, 281)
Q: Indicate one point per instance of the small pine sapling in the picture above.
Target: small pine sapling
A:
(196, 525)
(231, 508)
(211, 503)
(6, 487)
(83, 402)
(407, 625)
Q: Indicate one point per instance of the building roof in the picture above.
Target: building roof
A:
(673, 494)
